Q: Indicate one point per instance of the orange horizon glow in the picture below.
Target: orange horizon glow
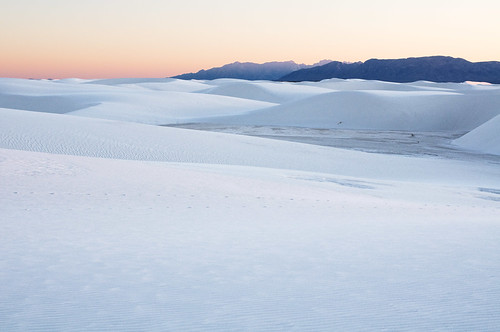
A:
(154, 38)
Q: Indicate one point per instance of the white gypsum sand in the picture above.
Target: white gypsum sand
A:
(112, 225)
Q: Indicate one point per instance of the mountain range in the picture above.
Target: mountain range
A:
(271, 71)
(431, 68)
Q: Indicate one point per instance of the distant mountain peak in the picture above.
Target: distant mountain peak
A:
(321, 63)
(250, 70)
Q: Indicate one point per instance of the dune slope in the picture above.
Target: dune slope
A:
(485, 138)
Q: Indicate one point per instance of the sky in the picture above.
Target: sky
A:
(159, 38)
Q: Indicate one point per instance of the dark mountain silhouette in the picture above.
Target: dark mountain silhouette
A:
(433, 68)
(249, 71)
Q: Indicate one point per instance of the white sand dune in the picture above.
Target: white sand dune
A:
(358, 84)
(125, 103)
(355, 104)
(168, 107)
(159, 84)
(266, 91)
(485, 138)
(53, 133)
(379, 110)
(112, 224)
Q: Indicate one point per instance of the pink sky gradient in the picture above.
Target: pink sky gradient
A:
(156, 38)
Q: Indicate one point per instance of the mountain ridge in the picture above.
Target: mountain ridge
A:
(405, 70)
(271, 71)
(436, 68)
